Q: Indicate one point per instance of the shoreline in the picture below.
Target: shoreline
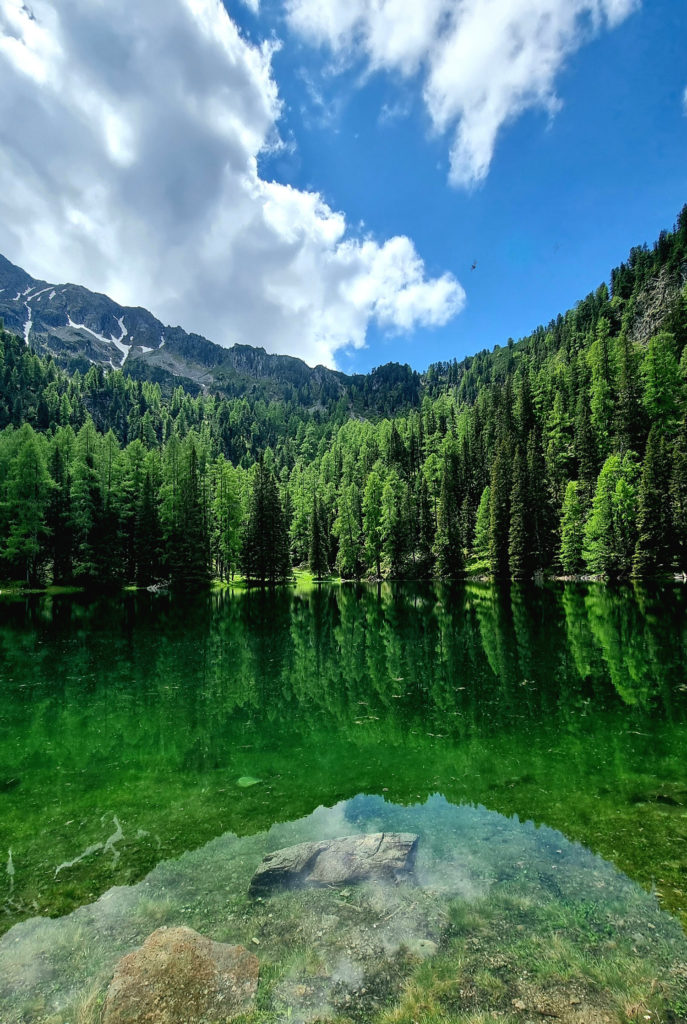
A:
(303, 579)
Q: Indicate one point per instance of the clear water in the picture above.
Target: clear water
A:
(535, 739)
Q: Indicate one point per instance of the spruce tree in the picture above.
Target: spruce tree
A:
(317, 548)
(227, 518)
(663, 388)
(148, 534)
(372, 522)
(678, 499)
(610, 531)
(265, 554)
(602, 394)
(499, 524)
(520, 553)
(480, 547)
(59, 514)
(654, 521)
(28, 494)
(348, 529)
(394, 525)
(572, 530)
(629, 413)
(425, 530)
(190, 562)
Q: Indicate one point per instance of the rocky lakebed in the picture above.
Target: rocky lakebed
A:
(361, 912)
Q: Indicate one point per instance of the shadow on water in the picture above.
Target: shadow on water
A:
(126, 723)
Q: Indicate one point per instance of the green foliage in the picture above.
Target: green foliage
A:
(572, 530)
(317, 557)
(654, 521)
(480, 547)
(611, 530)
(265, 556)
(28, 495)
(663, 387)
(143, 485)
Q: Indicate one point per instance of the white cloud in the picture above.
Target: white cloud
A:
(483, 62)
(684, 102)
(128, 163)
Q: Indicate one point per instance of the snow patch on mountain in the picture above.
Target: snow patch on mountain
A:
(29, 323)
(124, 349)
(41, 292)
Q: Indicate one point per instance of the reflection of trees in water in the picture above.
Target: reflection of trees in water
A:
(185, 674)
(531, 700)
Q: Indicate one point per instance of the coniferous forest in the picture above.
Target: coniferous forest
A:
(564, 453)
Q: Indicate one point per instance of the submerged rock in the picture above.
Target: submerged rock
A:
(179, 975)
(380, 857)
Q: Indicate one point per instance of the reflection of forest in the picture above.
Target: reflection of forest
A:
(565, 705)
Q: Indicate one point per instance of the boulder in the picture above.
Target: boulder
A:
(179, 975)
(380, 857)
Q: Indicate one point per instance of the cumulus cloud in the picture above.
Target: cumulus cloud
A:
(129, 163)
(482, 62)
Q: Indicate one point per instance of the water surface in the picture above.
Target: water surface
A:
(135, 728)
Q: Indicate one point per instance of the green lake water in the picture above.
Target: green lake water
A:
(154, 747)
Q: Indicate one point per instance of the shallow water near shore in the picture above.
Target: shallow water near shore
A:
(523, 915)
(534, 738)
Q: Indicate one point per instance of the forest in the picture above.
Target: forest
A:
(564, 453)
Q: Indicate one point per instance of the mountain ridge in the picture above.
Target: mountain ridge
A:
(80, 328)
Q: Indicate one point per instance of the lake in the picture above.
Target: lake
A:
(534, 738)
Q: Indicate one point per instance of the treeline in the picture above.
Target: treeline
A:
(564, 453)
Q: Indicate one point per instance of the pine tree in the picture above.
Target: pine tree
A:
(190, 561)
(317, 548)
(520, 553)
(59, 514)
(572, 530)
(585, 449)
(87, 504)
(654, 521)
(265, 552)
(425, 526)
(394, 525)
(448, 544)
(663, 390)
(480, 547)
(372, 521)
(629, 414)
(148, 534)
(28, 493)
(227, 516)
(348, 529)
(610, 531)
(499, 524)
(678, 499)
(602, 396)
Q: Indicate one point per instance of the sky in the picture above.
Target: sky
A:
(348, 181)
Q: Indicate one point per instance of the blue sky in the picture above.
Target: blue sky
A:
(565, 198)
(318, 176)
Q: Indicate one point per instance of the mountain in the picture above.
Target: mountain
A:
(563, 452)
(80, 328)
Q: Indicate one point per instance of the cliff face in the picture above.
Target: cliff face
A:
(651, 309)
